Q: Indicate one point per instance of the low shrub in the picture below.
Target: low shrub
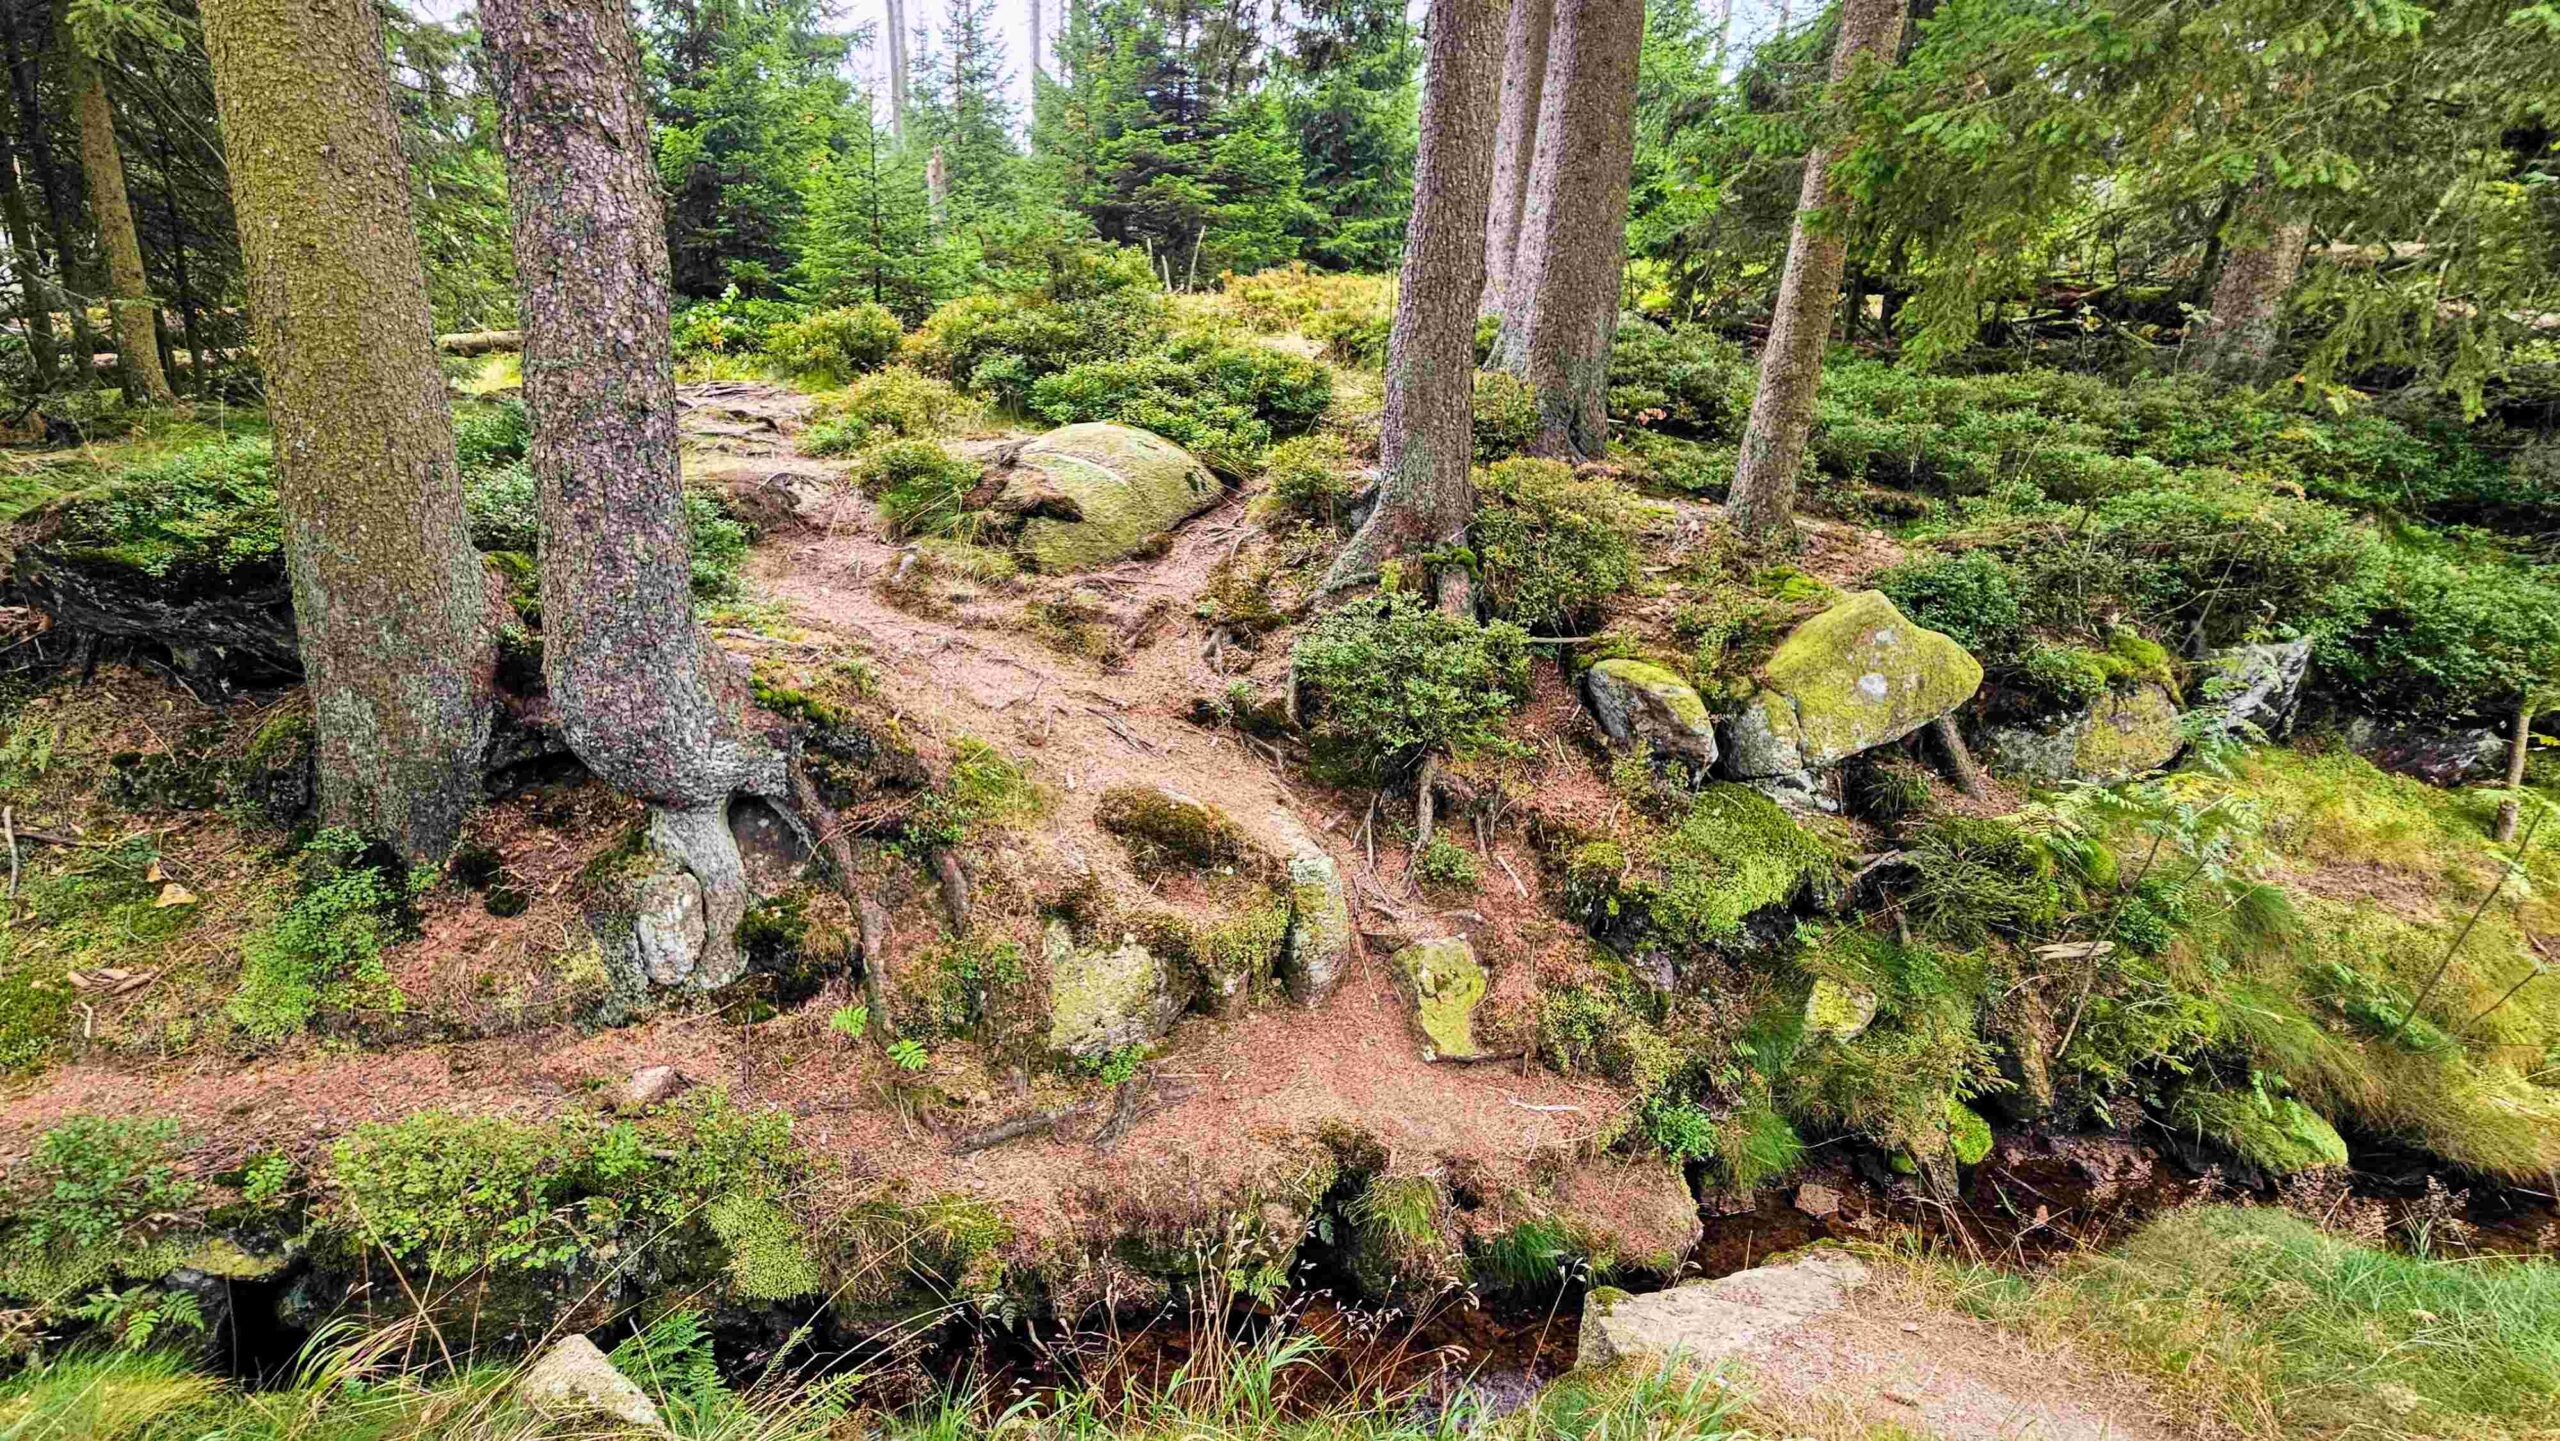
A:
(1686, 380)
(1392, 677)
(830, 347)
(2436, 638)
(201, 512)
(1310, 477)
(1552, 547)
(1224, 403)
(1506, 415)
(921, 489)
(729, 325)
(1967, 597)
(1095, 304)
(894, 403)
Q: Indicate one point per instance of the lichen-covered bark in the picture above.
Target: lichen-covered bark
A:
(1762, 502)
(1515, 145)
(2237, 337)
(35, 304)
(639, 696)
(392, 603)
(1561, 298)
(1426, 441)
(128, 289)
(27, 118)
(897, 38)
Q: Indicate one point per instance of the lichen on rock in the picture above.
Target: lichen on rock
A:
(1640, 704)
(1104, 998)
(2122, 735)
(1095, 493)
(1855, 677)
(1447, 983)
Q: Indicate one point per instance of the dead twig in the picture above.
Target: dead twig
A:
(1015, 1129)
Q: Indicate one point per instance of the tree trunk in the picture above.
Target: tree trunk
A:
(1561, 298)
(897, 27)
(199, 363)
(1515, 146)
(1426, 442)
(35, 304)
(1763, 499)
(29, 118)
(1038, 57)
(128, 289)
(392, 604)
(2519, 739)
(2237, 337)
(640, 697)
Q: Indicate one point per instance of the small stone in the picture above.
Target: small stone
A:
(1817, 1200)
(667, 927)
(573, 1378)
(1104, 999)
(1839, 1010)
(655, 1085)
(1447, 984)
(2257, 685)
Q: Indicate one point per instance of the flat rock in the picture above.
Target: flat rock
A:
(1097, 493)
(654, 1085)
(1705, 1321)
(573, 1378)
(1641, 705)
(1855, 677)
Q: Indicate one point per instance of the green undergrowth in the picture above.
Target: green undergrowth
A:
(321, 953)
(1287, 1385)
(2277, 1330)
(1393, 677)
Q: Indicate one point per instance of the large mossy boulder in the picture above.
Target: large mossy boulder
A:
(1097, 493)
(1855, 677)
(1639, 704)
(2122, 735)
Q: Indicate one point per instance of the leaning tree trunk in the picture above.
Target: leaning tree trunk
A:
(27, 113)
(641, 698)
(129, 290)
(2519, 741)
(391, 603)
(2237, 336)
(1561, 297)
(1426, 441)
(34, 304)
(1515, 145)
(1762, 502)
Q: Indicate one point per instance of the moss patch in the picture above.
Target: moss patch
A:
(1447, 983)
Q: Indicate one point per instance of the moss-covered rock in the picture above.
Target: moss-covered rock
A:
(1855, 677)
(1839, 1010)
(1164, 829)
(2121, 736)
(1638, 704)
(1104, 999)
(1096, 493)
(1718, 879)
(2279, 1135)
(1968, 1134)
(1447, 983)
(1320, 936)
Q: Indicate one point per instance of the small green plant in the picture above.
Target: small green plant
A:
(895, 404)
(324, 951)
(922, 489)
(1444, 862)
(1393, 677)
(909, 1054)
(264, 1181)
(138, 1315)
(1506, 415)
(98, 1178)
(850, 1022)
(1553, 548)
(1968, 597)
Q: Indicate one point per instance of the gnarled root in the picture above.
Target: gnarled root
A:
(700, 841)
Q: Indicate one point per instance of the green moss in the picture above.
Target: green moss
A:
(1447, 984)
(2277, 1134)
(323, 950)
(104, 1198)
(1968, 1135)
(1733, 852)
(1165, 830)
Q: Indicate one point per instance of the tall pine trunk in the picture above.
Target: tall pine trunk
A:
(640, 697)
(2237, 337)
(28, 115)
(128, 289)
(1561, 298)
(1426, 441)
(1515, 145)
(34, 299)
(392, 605)
(897, 37)
(1762, 503)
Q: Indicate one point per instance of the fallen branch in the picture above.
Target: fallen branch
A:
(1016, 1128)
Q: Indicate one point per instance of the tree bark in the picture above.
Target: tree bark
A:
(392, 604)
(35, 304)
(2237, 337)
(1426, 442)
(1038, 58)
(128, 289)
(29, 118)
(640, 696)
(1762, 502)
(1515, 146)
(1561, 298)
(199, 361)
(2519, 740)
(897, 27)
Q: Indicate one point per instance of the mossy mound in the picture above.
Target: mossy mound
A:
(1167, 830)
(1855, 677)
(1729, 857)
(2122, 735)
(1096, 493)
(2277, 1134)
(1104, 998)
